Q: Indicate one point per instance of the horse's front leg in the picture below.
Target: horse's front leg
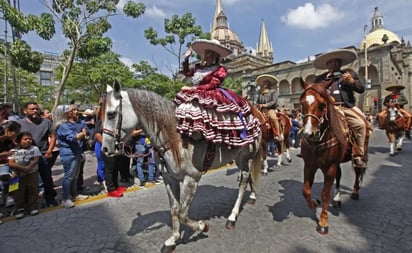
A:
(231, 220)
(329, 179)
(391, 143)
(188, 190)
(359, 172)
(309, 175)
(400, 141)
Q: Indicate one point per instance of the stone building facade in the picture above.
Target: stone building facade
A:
(386, 61)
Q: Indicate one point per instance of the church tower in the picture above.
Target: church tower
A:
(222, 32)
(264, 49)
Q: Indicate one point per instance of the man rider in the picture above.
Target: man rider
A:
(267, 100)
(396, 100)
(345, 84)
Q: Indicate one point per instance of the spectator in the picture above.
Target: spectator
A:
(45, 139)
(144, 152)
(69, 137)
(81, 124)
(11, 115)
(98, 138)
(24, 162)
(294, 137)
(10, 130)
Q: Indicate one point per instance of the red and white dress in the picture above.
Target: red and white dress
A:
(219, 114)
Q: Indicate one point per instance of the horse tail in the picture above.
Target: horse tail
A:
(256, 164)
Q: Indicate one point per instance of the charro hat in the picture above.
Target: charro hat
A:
(345, 55)
(395, 87)
(260, 80)
(201, 45)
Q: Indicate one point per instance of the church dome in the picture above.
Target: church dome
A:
(225, 34)
(377, 37)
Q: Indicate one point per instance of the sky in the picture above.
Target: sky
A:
(298, 29)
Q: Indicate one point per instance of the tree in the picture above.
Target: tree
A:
(84, 23)
(89, 77)
(179, 31)
(149, 79)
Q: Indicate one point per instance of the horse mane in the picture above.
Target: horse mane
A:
(333, 115)
(159, 115)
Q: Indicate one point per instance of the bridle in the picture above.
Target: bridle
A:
(116, 133)
(320, 120)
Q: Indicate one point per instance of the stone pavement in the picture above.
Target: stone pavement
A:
(280, 221)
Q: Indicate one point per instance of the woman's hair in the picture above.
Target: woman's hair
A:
(12, 126)
(21, 135)
(60, 116)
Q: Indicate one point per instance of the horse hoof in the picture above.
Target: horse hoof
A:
(399, 149)
(230, 224)
(168, 249)
(251, 201)
(354, 196)
(264, 173)
(206, 228)
(392, 154)
(337, 204)
(289, 160)
(323, 230)
(318, 202)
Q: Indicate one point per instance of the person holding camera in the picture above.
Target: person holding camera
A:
(345, 84)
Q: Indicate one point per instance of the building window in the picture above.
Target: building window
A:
(45, 78)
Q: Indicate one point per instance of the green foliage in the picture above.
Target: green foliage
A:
(43, 25)
(149, 79)
(23, 57)
(89, 77)
(235, 85)
(179, 32)
(14, 17)
(133, 9)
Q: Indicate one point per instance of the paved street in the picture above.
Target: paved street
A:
(280, 221)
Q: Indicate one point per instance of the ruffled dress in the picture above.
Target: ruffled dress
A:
(219, 114)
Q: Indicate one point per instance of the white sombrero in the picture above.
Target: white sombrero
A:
(201, 45)
(260, 80)
(345, 55)
(395, 87)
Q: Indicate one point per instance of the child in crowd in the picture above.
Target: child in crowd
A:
(8, 133)
(144, 152)
(25, 177)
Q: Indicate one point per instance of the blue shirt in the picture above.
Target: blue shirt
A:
(66, 137)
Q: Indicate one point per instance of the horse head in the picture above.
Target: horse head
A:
(393, 113)
(115, 125)
(315, 101)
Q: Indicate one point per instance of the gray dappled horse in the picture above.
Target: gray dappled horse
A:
(182, 158)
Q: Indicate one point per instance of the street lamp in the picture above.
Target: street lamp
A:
(253, 91)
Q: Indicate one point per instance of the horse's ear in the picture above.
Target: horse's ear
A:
(109, 88)
(116, 86)
(303, 84)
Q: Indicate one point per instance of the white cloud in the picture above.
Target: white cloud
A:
(155, 12)
(309, 17)
(127, 61)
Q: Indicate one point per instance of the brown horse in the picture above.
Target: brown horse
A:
(325, 144)
(283, 144)
(394, 124)
(266, 127)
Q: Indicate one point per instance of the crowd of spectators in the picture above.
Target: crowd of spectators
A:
(30, 145)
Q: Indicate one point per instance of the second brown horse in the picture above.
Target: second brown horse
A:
(325, 144)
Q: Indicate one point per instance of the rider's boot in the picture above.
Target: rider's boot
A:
(359, 162)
